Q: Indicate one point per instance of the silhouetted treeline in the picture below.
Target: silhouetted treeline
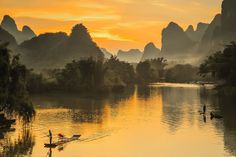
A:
(222, 66)
(87, 75)
(13, 90)
(91, 75)
(150, 71)
(182, 73)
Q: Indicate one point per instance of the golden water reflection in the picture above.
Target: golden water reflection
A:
(160, 120)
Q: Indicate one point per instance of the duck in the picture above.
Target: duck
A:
(213, 115)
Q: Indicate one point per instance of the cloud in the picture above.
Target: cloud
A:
(131, 23)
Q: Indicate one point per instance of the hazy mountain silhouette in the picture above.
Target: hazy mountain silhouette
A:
(131, 56)
(54, 50)
(9, 25)
(175, 40)
(80, 45)
(198, 34)
(106, 53)
(221, 30)
(208, 41)
(7, 37)
(228, 20)
(38, 52)
(28, 32)
(150, 52)
(190, 31)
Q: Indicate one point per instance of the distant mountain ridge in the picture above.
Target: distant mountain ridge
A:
(54, 50)
(175, 40)
(131, 56)
(9, 24)
(6, 37)
(106, 53)
(198, 34)
(150, 52)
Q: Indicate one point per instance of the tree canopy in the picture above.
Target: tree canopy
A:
(150, 71)
(221, 65)
(13, 86)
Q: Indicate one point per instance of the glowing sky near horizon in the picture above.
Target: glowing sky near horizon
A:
(114, 24)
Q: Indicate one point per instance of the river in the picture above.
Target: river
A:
(159, 120)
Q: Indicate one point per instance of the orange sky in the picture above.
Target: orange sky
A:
(114, 24)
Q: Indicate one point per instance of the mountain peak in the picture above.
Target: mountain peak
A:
(150, 52)
(28, 31)
(79, 31)
(174, 39)
(190, 29)
(9, 24)
(150, 46)
(172, 26)
(202, 26)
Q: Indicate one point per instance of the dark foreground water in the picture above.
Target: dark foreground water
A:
(161, 120)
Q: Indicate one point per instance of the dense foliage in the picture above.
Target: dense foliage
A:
(13, 86)
(86, 75)
(221, 65)
(119, 72)
(150, 71)
(182, 73)
(82, 75)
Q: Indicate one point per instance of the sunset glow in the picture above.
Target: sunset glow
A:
(114, 24)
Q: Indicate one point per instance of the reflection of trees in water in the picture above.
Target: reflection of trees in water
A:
(228, 110)
(209, 98)
(178, 103)
(92, 110)
(225, 106)
(90, 113)
(23, 145)
(84, 108)
(144, 92)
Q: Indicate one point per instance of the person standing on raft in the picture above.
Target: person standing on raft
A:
(50, 136)
(204, 109)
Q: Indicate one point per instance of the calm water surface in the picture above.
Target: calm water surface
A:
(160, 120)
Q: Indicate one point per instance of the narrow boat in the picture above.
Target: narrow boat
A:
(61, 141)
(48, 145)
(213, 115)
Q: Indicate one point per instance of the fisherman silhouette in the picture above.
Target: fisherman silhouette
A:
(50, 136)
(204, 109)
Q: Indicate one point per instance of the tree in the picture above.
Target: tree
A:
(13, 86)
(150, 71)
(4, 75)
(182, 73)
(221, 65)
(119, 72)
(82, 75)
(158, 65)
(144, 72)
